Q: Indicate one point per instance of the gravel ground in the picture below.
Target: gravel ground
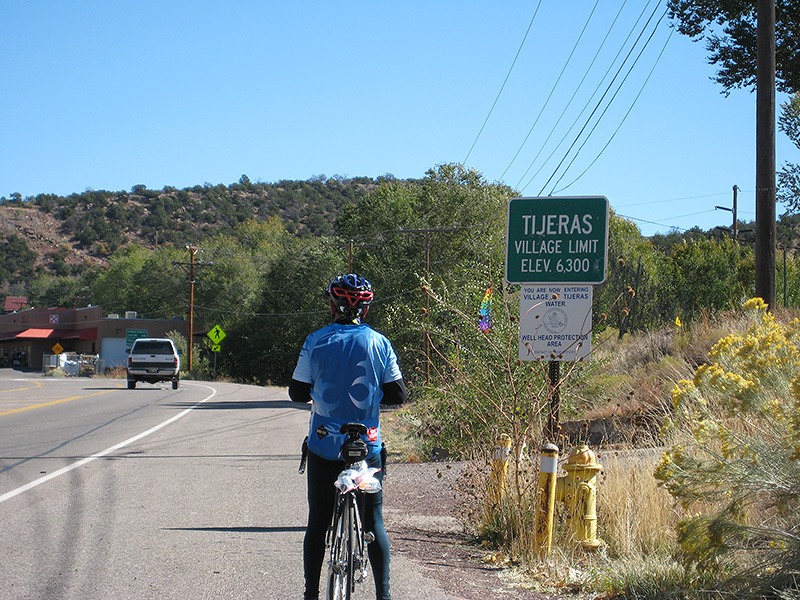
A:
(419, 506)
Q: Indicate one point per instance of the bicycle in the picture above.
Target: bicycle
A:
(346, 539)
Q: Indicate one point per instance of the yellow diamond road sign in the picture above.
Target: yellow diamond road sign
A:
(58, 349)
(216, 334)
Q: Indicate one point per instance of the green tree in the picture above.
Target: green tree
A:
(711, 275)
(58, 261)
(265, 346)
(158, 219)
(789, 175)
(228, 284)
(17, 261)
(465, 221)
(634, 261)
(729, 29)
(145, 281)
(112, 287)
(47, 291)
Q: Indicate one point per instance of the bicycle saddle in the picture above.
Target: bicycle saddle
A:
(353, 429)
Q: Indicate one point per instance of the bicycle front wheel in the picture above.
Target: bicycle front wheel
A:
(341, 567)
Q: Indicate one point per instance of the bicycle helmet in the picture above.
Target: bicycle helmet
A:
(351, 294)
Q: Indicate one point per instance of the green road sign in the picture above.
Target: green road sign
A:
(557, 240)
(216, 334)
(131, 335)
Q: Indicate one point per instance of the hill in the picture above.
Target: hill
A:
(88, 227)
(43, 234)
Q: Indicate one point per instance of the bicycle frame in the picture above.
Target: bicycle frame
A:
(347, 542)
(346, 538)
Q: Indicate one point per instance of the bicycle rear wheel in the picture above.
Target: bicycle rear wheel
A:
(341, 566)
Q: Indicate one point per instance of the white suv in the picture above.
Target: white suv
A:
(152, 360)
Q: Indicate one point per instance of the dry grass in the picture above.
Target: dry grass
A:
(113, 373)
(398, 429)
(632, 374)
(637, 517)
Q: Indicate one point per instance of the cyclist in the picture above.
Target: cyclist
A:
(348, 370)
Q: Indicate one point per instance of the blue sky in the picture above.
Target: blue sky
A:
(107, 95)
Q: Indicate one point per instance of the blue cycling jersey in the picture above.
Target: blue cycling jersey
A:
(346, 366)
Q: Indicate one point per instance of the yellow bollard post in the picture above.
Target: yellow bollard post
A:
(580, 495)
(497, 476)
(548, 466)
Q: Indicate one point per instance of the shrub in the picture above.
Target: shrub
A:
(735, 456)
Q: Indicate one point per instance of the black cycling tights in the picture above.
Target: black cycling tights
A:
(322, 474)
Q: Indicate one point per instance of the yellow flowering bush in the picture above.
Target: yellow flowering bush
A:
(733, 453)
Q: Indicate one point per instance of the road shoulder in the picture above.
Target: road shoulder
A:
(419, 508)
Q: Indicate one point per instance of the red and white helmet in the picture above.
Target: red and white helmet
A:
(350, 293)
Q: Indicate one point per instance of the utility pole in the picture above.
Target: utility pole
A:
(426, 333)
(765, 154)
(191, 264)
(350, 246)
(735, 228)
(192, 252)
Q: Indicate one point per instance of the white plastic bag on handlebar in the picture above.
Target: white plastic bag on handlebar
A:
(360, 476)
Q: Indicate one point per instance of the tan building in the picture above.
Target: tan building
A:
(27, 335)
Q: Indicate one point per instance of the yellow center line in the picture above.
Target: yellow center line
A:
(62, 400)
(19, 389)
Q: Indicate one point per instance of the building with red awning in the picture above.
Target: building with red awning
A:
(27, 335)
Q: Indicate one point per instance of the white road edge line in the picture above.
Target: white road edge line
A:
(88, 459)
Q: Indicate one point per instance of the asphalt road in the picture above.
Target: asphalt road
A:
(151, 493)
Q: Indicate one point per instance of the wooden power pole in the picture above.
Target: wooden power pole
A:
(351, 245)
(426, 334)
(191, 265)
(765, 154)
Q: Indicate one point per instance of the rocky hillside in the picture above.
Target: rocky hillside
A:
(91, 225)
(44, 235)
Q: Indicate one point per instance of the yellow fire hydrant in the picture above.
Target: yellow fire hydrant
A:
(578, 490)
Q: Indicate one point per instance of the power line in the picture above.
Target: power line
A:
(575, 93)
(511, 68)
(673, 200)
(597, 89)
(693, 214)
(638, 220)
(600, 102)
(241, 313)
(553, 89)
(662, 223)
(624, 118)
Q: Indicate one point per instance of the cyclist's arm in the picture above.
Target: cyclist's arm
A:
(394, 392)
(299, 391)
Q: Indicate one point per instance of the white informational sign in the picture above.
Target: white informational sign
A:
(555, 322)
